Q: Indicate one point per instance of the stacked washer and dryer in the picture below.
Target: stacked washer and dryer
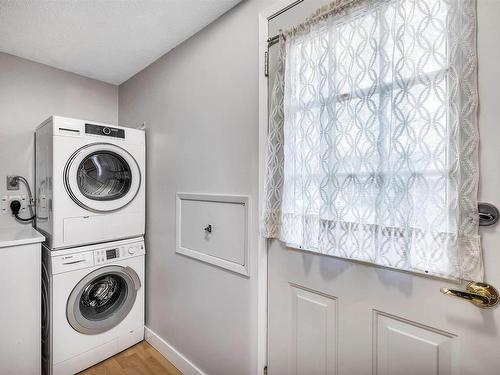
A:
(90, 198)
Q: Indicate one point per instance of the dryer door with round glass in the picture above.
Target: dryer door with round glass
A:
(102, 299)
(102, 177)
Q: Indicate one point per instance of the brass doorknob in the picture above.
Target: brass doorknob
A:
(480, 294)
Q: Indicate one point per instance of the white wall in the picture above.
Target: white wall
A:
(200, 103)
(30, 93)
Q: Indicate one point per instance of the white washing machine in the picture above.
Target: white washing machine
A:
(93, 304)
(90, 182)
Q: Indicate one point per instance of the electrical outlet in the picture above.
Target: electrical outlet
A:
(5, 204)
(24, 203)
(6, 199)
(12, 183)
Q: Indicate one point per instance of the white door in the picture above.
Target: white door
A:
(332, 316)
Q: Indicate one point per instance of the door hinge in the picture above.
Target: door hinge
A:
(266, 64)
(265, 370)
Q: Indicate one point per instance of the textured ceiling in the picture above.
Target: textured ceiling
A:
(109, 40)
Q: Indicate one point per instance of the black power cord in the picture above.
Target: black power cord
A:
(15, 206)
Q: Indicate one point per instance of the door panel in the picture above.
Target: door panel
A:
(334, 316)
(404, 347)
(313, 332)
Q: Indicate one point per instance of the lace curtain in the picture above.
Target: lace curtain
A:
(373, 138)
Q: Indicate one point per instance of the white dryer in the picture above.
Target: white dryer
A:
(92, 304)
(90, 182)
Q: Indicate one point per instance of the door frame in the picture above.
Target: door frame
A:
(262, 301)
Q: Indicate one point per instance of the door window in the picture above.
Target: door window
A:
(104, 176)
(373, 137)
(102, 299)
(103, 296)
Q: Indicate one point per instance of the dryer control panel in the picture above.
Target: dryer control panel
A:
(107, 131)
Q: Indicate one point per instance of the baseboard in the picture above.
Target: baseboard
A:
(173, 355)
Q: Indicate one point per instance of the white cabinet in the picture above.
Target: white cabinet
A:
(20, 291)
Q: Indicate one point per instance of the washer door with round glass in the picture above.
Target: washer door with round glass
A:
(102, 299)
(102, 177)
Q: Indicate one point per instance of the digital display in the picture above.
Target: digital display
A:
(112, 254)
(104, 131)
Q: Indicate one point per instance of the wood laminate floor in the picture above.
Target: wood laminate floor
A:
(140, 359)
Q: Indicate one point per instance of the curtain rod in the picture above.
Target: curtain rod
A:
(321, 13)
(272, 40)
